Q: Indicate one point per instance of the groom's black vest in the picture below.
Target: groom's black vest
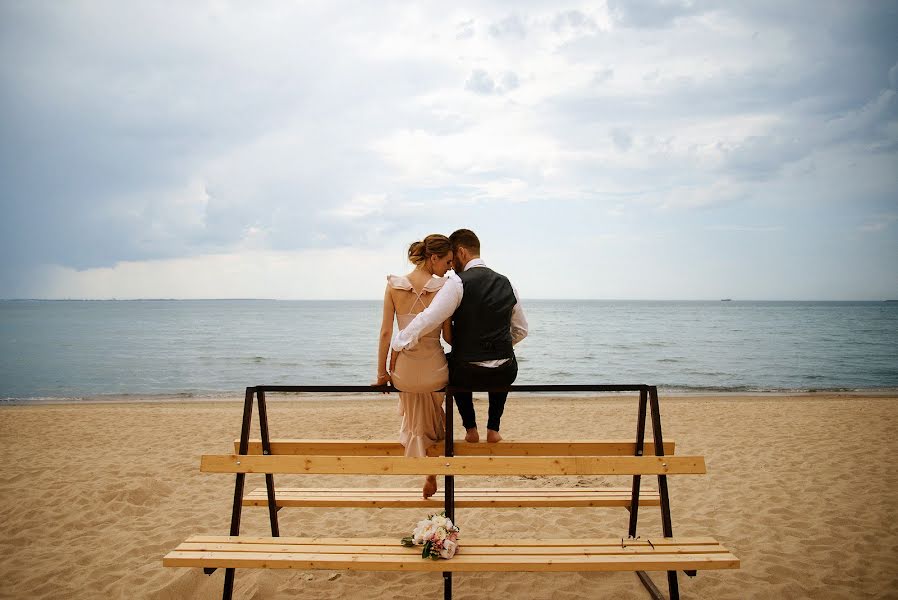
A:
(481, 323)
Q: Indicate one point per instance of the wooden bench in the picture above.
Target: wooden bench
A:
(507, 497)
(321, 457)
(386, 554)
(618, 554)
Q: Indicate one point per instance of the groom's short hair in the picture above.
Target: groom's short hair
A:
(465, 238)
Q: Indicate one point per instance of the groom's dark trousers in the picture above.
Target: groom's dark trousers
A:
(468, 375)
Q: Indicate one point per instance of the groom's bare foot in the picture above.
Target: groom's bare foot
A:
(493, 436)
(430, 486)
(472, 435)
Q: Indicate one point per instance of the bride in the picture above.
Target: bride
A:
(419, 372)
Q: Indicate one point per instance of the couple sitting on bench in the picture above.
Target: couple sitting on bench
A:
(477, 311)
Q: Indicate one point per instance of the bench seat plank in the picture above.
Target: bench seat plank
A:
(386, 554)
(469, 542)
(394, 549)
(455, 465)
(464, 498)
(461, 448)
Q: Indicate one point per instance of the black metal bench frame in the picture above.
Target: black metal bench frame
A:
(648, 403)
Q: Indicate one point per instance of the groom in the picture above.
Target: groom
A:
(487, 321)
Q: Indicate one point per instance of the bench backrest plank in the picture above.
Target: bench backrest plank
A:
(464, 465)
(506, 448)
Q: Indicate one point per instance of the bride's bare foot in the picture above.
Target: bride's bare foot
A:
(493, 436)
(472, 435)
(430, 486)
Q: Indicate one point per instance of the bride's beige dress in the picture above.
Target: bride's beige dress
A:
(418, 373)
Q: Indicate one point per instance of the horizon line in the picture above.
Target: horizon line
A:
(538, 299)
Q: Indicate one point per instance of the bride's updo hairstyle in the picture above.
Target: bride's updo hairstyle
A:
(433, 245)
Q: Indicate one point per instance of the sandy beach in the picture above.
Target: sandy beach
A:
(93, 495)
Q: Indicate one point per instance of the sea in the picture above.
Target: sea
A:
(186, 349)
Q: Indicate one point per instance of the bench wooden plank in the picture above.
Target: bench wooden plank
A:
(465, 465)
(387, 555)
(464, 498)
(393, 547)
(461, 448)
(397, 550)
(469, 542)
(461, 563)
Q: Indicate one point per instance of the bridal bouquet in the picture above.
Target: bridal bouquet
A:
(438, 534)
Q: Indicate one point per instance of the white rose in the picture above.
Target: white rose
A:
(419, 535)
(429, 532)
(440, 533)
(449, 548)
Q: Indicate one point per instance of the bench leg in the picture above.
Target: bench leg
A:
(269, 478)
(653, 590)
(447, 585)
(673, 585)
(237, 510)
(666, 525)
(640, 450)
(228, 590)
(650, 586)
(449, 485)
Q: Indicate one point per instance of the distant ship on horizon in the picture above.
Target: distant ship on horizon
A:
(726, 299)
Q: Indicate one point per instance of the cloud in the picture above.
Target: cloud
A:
(510, 82)
(480, 82)
(621, 139)
(510, 27)
(465, 30)
(248, 274)
(575, 21)
(603, 75)
(362, 206)
(652, 14)
(702, 195)
(760, 157)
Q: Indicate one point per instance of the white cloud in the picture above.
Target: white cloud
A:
(362, 206)
(345, 273)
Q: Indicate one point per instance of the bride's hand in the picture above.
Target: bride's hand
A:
(384, 380)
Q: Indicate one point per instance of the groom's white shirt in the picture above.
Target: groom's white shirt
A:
(444, 305)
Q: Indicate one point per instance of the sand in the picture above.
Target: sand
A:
(800, 488)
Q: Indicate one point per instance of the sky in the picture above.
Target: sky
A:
(670, 149)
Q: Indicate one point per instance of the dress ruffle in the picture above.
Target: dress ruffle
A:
(401, 282)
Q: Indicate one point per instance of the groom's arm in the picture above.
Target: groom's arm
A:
(442, 307)
(519, 326)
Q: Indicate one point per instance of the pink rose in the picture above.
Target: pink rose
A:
(449, 548)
